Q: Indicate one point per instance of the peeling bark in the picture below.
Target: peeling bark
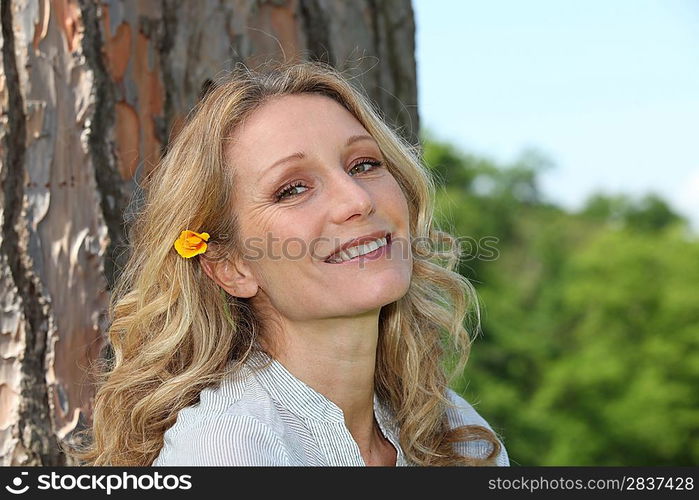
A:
(53, 234)
(30, 440)
(91, 91)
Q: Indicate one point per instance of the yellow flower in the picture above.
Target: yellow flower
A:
(190, 243)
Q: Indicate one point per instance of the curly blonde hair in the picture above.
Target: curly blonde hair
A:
(175, 332)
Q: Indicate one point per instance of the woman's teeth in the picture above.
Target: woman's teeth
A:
(358, 250)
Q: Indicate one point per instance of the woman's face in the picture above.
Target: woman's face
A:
(308, 180)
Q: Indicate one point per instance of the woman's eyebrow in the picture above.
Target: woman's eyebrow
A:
(301, 155)
(354, 138)
(295, 156)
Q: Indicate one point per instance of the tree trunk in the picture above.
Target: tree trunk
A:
(89, 94)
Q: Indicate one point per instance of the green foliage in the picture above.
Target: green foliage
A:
(589, 345)
(651, 213)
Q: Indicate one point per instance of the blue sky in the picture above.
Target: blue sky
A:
(608, 90)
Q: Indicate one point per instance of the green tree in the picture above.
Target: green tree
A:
(588, 350)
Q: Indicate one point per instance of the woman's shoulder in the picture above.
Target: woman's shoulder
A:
(234, 423)
(461, 412)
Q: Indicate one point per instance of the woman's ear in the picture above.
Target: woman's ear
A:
(231, 274)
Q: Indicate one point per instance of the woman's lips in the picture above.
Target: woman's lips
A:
(359, 241)
(376, 254)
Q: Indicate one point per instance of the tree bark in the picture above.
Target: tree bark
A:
(90, 92)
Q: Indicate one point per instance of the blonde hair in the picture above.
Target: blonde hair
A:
(174, 331)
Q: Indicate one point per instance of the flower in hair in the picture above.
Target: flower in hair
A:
(191, 243)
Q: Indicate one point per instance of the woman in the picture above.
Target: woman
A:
(300, 316)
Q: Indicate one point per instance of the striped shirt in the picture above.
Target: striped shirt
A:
(264, 416)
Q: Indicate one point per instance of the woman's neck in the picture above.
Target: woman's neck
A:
(337, 358)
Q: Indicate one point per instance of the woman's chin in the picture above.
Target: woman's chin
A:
(376, 299)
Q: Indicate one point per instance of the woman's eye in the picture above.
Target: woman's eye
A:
(372, 165)
(291, 190)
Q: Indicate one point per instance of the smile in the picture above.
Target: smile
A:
(366, 251)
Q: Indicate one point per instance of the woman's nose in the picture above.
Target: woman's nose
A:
(349, 197)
